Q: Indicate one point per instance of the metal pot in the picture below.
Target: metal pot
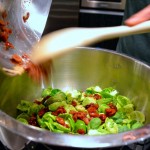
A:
(78, 69)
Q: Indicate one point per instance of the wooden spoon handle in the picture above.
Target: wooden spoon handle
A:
(64, 40)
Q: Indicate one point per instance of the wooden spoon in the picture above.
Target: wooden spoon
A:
(61, 41)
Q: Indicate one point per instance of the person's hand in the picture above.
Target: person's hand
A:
(139, 17)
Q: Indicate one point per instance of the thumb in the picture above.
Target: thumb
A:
(139, 17)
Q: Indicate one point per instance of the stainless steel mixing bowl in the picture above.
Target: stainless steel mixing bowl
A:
(78, 69)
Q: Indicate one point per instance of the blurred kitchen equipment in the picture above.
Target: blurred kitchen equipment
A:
(63, 14)
(61, 41)
(102, 13)
(111, 4)
(24, 34)
(78, 69)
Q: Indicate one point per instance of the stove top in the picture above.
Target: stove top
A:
(145, 145)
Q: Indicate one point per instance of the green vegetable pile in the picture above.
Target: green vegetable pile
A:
(95, 111)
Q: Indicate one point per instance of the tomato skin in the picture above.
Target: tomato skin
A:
(26, 17)
(102, 117)
(111, 105)
(25, 56)
(86, 120)
(74, 103)
(9, 45)
(79, 115)
(5, 32)
(80, 127)
(33, 120)
(97, 96)
(2, 23)
(16, 59)
(42, 111)
(92, 108)
(81, 131)
(60, 110)
(4, 14)
(110, 112)
(94, 114)
(60, 120)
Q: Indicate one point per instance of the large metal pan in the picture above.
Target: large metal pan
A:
(78, 69)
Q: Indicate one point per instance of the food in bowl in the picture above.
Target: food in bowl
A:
(95, 111)
(5, 31)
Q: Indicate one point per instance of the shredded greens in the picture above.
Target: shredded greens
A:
(94, 111)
